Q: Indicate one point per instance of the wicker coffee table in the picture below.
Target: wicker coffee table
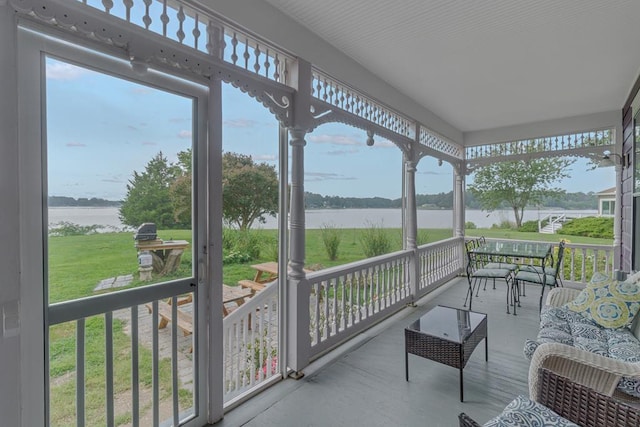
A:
(446, 335)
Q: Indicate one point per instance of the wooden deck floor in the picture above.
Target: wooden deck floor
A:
(362, 383)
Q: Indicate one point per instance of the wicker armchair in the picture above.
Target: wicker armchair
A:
(577, 403)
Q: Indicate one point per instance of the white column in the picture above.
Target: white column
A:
(411, 219)
(299, 340)
(458, 201)
(411, 223)
(617, 220)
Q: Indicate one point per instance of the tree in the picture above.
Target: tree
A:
(518, 183)
(147, 198)
(249, 192)
(180, 190)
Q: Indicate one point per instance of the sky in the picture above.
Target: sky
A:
(100, 129)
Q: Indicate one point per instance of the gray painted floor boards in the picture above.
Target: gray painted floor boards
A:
(362, 383)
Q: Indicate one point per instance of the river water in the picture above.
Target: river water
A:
(341, 218)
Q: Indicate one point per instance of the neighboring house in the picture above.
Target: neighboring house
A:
(607, 202)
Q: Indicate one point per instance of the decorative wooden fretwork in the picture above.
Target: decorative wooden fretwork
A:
(177, 36)
(589, 144)
(202, 31)
(432, 143)
(338, 97)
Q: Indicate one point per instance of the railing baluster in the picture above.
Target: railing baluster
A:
(155, 364)
(180, 33)
(80, 371)
(196, 31)
(108, 329)
(128, 4)
(174, 359)
(246, 54)
(164, 18)
(135, 369)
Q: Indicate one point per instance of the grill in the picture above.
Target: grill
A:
(146, 231)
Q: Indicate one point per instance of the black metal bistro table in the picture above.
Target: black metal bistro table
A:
(517, 249)
(446, 335)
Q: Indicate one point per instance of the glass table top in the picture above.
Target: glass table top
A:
(448, 323)
(515, 249)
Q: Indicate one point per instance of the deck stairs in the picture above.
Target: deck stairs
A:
(552, 222)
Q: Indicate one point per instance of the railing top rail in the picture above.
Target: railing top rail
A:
(352, 267)
(256, 300)
(567, 244)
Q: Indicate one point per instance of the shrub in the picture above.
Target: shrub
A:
(272, 249)
(248, 242)
(503, 225)
(240, 245)
(228, 238)
(234, 257)
(469, 225)
(599, 227)
(374, 240)
(529, 227)
(331, 240)
(65, 228)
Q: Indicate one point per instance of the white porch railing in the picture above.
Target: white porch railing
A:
(581, 261)
(439, 262)
(346, 300)
(123, 325)
(250, 335)
(343, 301)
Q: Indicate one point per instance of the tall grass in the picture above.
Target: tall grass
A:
(331, 240)
(374, 240)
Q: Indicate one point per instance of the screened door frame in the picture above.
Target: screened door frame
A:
(34, 43)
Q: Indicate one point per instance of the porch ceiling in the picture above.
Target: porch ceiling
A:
(484, 65)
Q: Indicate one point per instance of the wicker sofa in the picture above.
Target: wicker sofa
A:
(561, 401)
(582, 372)
(577, 339)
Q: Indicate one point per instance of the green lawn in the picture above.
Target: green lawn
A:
(78, 263)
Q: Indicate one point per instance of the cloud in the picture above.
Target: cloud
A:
(264, 157)
(324, 176)
(75, 144)
(63, 71)
(431, 173)
(336, 139)
(342, 152)
(240, 123)
(383, 143)
(185, 134)
(114, 179)
(132, 127)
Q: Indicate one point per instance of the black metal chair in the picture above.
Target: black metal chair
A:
(477, 272)
(533, 274)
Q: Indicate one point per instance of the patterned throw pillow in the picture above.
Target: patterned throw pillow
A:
(607, 302)
(522, 412)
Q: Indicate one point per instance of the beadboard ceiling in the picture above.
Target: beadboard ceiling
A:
(488, 64)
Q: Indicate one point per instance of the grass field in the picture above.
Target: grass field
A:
(76, 264)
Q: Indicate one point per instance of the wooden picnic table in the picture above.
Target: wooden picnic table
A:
(266, 272)
(233, 294)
